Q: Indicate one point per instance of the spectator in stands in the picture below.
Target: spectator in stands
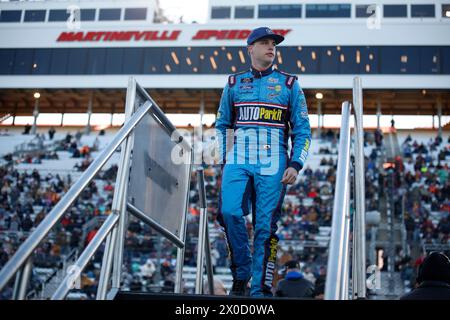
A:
(27, 223)
(27, 129)
(294, 284)
(78, 135)
(320, 283)
(147, 270)
(378, 138)
(433, 279)
(166, 269)
(68, 138)
(51, 133)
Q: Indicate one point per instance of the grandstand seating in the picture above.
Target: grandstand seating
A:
(305, 227)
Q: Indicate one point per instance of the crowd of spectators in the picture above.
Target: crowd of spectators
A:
(149, 261)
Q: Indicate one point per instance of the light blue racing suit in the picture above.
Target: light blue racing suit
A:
(258, 110)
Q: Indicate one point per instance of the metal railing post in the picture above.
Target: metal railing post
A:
(122, 183)
(359, 228)
(25, 279)
(209, 266)
(203, 241)
(346, 251)
(336, 257)
(106, 265)
(180, 252)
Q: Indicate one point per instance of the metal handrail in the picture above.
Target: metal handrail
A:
(336, 287)
(359, 226)
(203, 247)
(68, 282)
(336, 255)
(27, 248)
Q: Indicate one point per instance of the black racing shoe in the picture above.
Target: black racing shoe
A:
(239, 288)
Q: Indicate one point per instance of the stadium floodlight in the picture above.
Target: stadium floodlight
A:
(319, 95)
(37, 95)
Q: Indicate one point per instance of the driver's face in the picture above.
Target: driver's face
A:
(263, 51)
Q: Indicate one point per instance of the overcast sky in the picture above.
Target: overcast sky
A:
(190, 10)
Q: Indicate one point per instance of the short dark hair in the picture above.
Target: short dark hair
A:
(292, 264)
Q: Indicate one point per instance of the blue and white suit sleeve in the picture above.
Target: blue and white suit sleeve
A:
(223, 121)
(300, 128)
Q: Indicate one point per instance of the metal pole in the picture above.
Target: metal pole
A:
(35, 115)
(203, 204)
(336, 252)
(17, 281)
(122, 190)
(346, 253)
(25, 280)
(202, 108)
(106, 265)
(155, 225)
(378, 113)
(439, 114)
(319, 113)
(53, 217)
(200, 252)
(89, 113)
(85, 257)
(359, 240)
(180, 251)
(201, 232)
(209, 266)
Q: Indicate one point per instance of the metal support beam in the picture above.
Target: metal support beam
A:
(89, 113)
(378, 113)
(35, 115)
(346, 251)
(25, 279)
(202, 108)
(180, 251)
(155, 225)
(202, 234)
(359, 228)
(122, 190)
(68, 282)
(106, 265)
(439, 114)
(319, 113)
(209, 266)
(336, 263)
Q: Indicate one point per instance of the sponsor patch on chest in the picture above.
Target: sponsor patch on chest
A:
(257, 113)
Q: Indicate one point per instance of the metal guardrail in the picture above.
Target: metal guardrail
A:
(203, 240)
(27, 248)
(337, 284)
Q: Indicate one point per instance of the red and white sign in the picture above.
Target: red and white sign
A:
(119, 36)
(162, 35)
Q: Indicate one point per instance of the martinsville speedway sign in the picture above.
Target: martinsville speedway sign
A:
(163, 35)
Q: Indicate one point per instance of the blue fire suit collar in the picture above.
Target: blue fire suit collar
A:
(260, 74)
(293, 275)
